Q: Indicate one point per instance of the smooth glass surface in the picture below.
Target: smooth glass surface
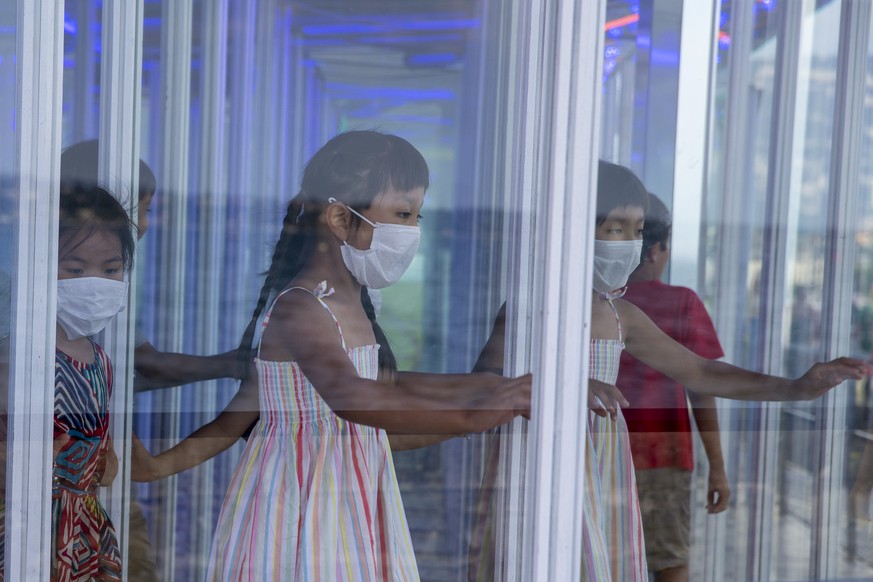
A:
(8, 165)
(8, 187)
(856, 526)
(297, 73)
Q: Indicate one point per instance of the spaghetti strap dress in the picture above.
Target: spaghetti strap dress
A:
(613, 549)
(314, 497)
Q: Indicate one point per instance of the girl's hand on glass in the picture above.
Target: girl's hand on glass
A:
(605, 398)
(510, 398)
(824, 376)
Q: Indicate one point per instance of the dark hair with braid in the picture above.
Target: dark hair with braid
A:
(354, 167)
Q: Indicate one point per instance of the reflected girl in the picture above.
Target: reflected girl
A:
(95, 249)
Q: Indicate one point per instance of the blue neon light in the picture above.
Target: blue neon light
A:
(70, 26)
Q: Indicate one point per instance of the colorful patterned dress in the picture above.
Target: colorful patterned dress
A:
(314, 497)
(84, 544)
(612, 527)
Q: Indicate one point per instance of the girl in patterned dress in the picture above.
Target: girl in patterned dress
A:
(314, 497)
(95, 248)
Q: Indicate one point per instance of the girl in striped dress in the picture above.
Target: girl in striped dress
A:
(613, 536)
(314, 497)
(613, 548)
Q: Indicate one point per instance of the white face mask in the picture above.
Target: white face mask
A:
(391, 252)
(614, 261)
(87, 304)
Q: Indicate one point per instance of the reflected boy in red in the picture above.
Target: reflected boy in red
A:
(658, 417)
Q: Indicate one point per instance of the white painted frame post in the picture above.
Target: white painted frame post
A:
(176, 40)
(120, 88)
(39, 90)
(843, 198)
(564, 241)
(553, 229)
(211, 229)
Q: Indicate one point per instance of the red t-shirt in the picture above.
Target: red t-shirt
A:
(658, 416)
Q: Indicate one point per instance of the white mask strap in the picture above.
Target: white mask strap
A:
(333, 200)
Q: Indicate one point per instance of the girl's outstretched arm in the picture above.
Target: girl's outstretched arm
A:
(204, 443)
(646, 342)
(300, 330)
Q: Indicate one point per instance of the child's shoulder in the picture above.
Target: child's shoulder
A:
(303, 309)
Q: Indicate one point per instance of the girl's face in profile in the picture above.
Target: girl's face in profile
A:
(96, 255)
(389, 207)
(622, 223)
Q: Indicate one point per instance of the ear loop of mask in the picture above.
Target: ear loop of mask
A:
(333, 200)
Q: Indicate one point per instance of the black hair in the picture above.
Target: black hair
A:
(84, 211)
(353, 167)
(79, 169)
(658, 225)
(618, 187)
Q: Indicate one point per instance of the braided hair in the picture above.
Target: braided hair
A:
(354, 167)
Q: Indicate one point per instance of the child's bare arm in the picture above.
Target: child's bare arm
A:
(308, 336)
(155, 369)
(653, 347)
(204, 443)
(706, 417)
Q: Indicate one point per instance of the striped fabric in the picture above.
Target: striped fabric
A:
(314, 497)
(612, 527)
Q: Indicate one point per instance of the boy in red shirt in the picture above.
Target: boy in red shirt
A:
(658, 417)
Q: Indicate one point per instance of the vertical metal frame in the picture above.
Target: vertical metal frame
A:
(524, 32)
(697, 50)
(839, 276)
(211, 235)
(775, 280)
(121, 81)
(733, 174)
(176, 40)
(695, 96)
(730, 282)
(32, 341)
(563, 93)
(243, 15)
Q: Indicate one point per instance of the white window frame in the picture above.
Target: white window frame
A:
(39, 83)
(553, 205)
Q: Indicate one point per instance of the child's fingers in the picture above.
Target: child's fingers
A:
(595, 406)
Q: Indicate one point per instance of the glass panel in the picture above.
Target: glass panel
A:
(808, 227)
(270, 83)
(736, 224)
(82, 42)
(8, 179)
(856, 526)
